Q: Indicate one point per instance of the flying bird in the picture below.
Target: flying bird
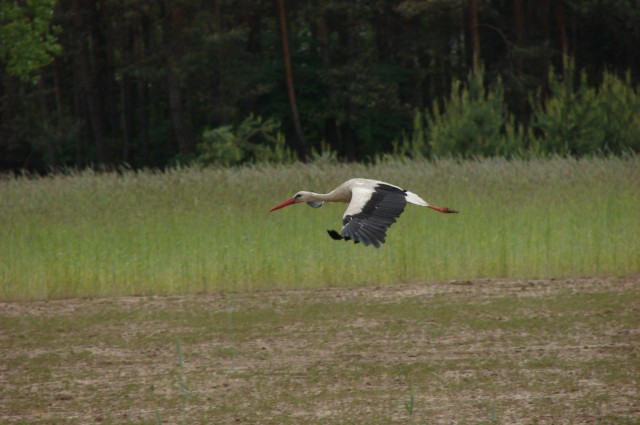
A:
(373, 207)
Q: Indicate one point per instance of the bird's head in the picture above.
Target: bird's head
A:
(301, 196)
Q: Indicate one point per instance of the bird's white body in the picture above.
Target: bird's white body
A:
(373, 207)
(362, 189)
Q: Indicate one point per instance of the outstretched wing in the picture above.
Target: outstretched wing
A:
(371, 212)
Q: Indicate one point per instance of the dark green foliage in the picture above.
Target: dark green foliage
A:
(254, 139)
(579, 119)
(27, 38)
(573, 118)
(474, 121)
(138, 83)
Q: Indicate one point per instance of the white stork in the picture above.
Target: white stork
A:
(373, 207)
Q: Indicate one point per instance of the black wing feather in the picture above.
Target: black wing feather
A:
(370, 225)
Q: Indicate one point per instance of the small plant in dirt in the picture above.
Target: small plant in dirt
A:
(409, 403)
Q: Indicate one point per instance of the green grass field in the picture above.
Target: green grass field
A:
(192, 230)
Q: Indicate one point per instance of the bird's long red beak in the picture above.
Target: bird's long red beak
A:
(284, 204)
(442, 209)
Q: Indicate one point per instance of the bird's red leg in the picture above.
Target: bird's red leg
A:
(442, 209)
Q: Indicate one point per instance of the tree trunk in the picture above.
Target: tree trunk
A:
(546, 30)
(183, 139)
(330, 125)
(475, 35)
(347, 34)
(143, 123)
(323, 34)
(140, 45)
(518, 25)
(126, 95)
(79, 108)
(102, 69)
(559, 16)
(521, 101)
(58, 94)
(181, 125)
(301, 143)
(44, 111)
(348, 134)
(90, 91)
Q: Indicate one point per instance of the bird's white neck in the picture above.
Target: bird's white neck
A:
(336, 195)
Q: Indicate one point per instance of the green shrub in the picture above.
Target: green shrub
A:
(415, 145)
(253, 140)
(578, 119)
(619, 107)
(474, 121)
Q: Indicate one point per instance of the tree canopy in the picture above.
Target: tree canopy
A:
(147, 83)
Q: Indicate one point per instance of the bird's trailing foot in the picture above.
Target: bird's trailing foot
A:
(337, 236)
(444, 210)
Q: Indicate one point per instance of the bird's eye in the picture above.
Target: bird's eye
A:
(297, 195)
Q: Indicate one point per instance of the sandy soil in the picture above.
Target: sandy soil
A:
(535, 351)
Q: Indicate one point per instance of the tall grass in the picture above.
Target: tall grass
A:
(191, 230)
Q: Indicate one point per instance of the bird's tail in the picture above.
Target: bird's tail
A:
(414, 199)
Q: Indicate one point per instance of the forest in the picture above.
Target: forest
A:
(151, 84)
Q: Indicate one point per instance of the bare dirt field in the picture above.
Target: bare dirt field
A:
(476, 352)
